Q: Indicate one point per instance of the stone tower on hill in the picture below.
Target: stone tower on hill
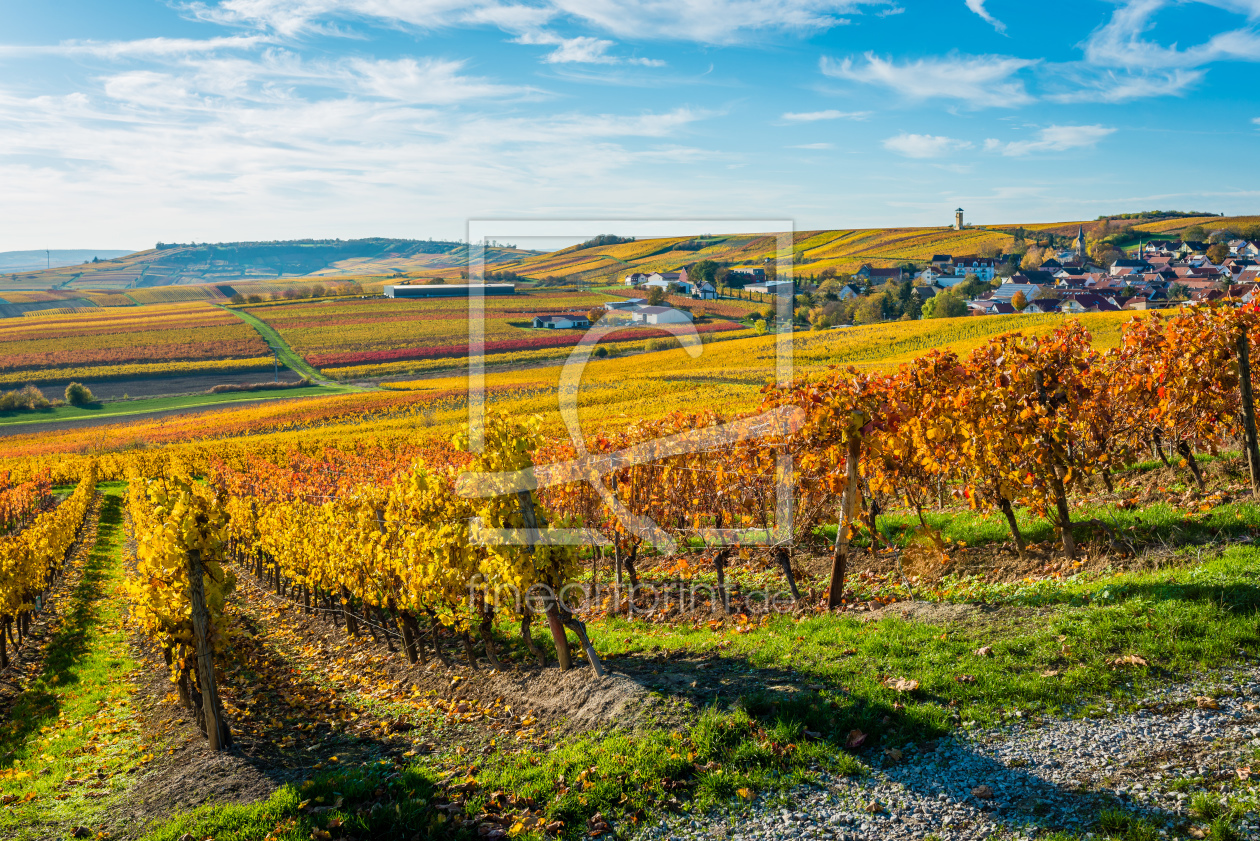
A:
(958, 220)
(1079, 245)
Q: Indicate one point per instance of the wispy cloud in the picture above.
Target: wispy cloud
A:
(923, 145)
(977, 6)
(703, 21)
(426, 81)
(1051, 139)
(829, 114)
(811, 146)
(581, 50)
(979, 81)
(1121, 41)
(139, 48)
(1088, 84)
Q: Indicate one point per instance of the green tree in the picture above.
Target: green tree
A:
(78, 394)
(971, 287)
(1033, 258)
(1194, 233)
(656, 296)
(871, 310)
(1218, 253)
(914, 307)
(947, 305)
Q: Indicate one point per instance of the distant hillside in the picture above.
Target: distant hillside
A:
(844, 251)
(19, 261)
(173, 264)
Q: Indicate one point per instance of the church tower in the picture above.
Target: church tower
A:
(958, 220)
(1079, 245)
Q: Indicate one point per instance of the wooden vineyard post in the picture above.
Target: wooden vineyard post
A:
(554, 622)
(216, 728)
(1248, 409)
(840, 554)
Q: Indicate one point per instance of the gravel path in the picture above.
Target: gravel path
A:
(1026, 779)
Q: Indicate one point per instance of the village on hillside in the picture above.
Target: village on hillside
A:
(1091, 275)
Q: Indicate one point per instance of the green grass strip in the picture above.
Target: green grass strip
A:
(75, 719)
(287, 355)
(163, 404)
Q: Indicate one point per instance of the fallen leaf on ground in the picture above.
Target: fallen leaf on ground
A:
(902, 684)
(984, 792)
(965, 678)
(1050, 673)
(984, 651)
(1129, 660)
(1203, 702)
(855, 740)
(893, 754)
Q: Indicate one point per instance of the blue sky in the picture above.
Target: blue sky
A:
(131, 121)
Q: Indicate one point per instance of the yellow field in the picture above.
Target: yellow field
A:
(1208, 222)
(842, 250)
(728, 376)
(173, 294)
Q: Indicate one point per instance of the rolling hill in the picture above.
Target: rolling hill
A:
(843, 250)
(205, 263)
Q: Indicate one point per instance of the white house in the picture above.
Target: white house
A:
(561, 322)
(706, 291)
(982, 267)
(636, 279)
(664, 280)
(661, 315)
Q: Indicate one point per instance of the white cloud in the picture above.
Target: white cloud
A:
(1120, 42)
(580, 50)
(705, 21)
(1051, 139)
(923, 145)
(811, 146)
(206, 150)
(1111, 86)
(140, 48)
(428, 81)
(980, 81)
(977, 6)
(829, 114)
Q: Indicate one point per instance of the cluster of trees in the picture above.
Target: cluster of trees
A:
(604, 239)
(1159, 214)
(29, 398)
(295, 293)
(891, 301)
